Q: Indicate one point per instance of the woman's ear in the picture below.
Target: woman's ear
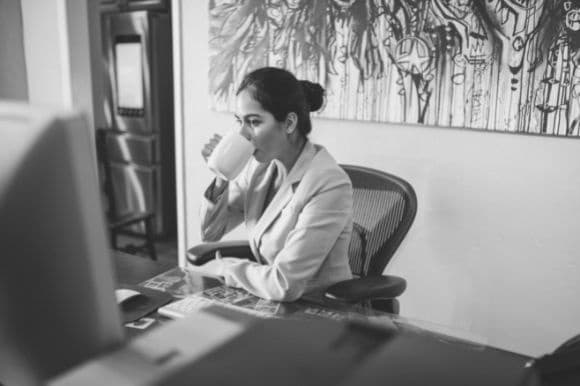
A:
(291, 122)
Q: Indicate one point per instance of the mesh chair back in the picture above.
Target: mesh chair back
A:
(384, 208)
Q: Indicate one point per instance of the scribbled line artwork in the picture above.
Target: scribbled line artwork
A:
(502, 65)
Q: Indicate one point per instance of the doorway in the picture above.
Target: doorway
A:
(137, 162)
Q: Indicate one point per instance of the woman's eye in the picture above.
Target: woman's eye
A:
(254, 122)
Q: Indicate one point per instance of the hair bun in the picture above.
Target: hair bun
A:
(314, 94)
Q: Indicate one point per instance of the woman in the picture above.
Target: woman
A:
(295, 200)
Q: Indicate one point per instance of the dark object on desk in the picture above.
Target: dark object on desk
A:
(285, 352)
(121, 223)
(384, 208)
(147, 302)
(325, 352)
(421, 359)
(562, 367)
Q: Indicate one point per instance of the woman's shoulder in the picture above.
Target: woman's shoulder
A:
(325, 168)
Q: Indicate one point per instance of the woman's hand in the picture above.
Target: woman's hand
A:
(209, 147)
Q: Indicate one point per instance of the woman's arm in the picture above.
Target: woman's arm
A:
(222, 207)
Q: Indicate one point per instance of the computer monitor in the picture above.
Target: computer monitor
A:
(57, 302)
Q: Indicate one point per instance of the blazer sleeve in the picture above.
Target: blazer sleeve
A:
(224, 211)
(319, 225)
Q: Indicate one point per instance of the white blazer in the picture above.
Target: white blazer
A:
(300, 240)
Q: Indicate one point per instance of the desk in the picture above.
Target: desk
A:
(131, 269)
(221, 346)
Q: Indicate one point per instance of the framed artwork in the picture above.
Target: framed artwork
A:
(497, 65)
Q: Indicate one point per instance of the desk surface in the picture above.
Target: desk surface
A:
(135, 270)
(131, 269)
(300, 345)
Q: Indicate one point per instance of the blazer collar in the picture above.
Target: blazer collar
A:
(302, 163)
(286, 190)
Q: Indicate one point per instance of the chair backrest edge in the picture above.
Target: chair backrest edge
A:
(377, 266)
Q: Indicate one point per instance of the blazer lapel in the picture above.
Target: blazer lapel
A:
(286, 191)
(259, 189)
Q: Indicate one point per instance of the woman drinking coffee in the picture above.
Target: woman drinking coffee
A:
(293, 197)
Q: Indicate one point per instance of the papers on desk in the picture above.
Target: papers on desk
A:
(223, 296)
(181, 283)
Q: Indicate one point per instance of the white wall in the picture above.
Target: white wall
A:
(12, 69)
(57, 46)
(494, 248)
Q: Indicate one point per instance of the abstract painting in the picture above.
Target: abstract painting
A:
(497, 65)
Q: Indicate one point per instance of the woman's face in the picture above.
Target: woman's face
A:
(261, 128)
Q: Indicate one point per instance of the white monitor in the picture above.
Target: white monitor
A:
(57, 302)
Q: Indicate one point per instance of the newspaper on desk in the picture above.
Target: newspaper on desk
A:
(181, 283)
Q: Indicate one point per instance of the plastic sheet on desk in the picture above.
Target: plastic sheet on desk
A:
(440, 332)
(386, 321)
(180, 282)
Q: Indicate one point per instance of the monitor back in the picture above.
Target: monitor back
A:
(57, 304)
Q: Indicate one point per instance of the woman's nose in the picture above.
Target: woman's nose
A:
(245, 131)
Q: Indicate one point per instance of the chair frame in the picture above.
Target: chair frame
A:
(119, 224)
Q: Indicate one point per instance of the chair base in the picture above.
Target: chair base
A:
(117, 229)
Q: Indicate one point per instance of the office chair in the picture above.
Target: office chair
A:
(120, 223)
(384, 207)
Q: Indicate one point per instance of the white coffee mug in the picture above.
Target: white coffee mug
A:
(230, 156)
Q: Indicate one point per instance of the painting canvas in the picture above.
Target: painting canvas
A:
(497, 65)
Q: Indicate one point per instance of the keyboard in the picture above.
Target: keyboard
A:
(193, 303)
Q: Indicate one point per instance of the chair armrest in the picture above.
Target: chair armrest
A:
(367, 288)
(202, 253)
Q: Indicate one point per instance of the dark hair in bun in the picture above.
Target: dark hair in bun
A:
(280, 93)
(314, 94)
